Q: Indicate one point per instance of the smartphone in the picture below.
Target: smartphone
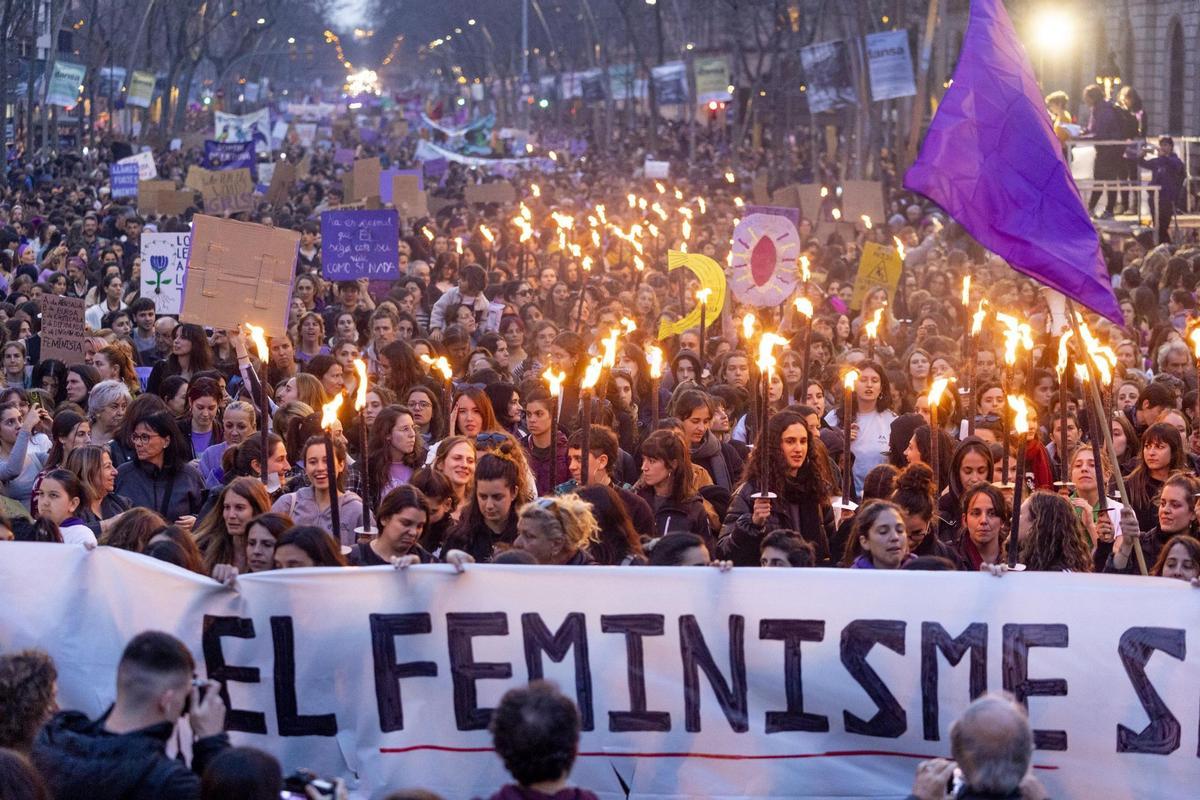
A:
(35, 399)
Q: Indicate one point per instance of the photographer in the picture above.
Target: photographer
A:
(992, 747)
(123, 753)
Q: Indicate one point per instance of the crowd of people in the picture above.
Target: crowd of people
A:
(154, 442)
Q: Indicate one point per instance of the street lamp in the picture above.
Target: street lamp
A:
(1109, 75)
(262, 20)
(1052, 31)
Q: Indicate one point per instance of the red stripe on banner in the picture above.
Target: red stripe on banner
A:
(712, 756)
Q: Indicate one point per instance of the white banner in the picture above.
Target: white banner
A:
(66, 82)
(141, 89)
(147, 170)
(797, 683)
(428, 151)
(164, 267)
(318, 112)
(253, 127)
(889, 65)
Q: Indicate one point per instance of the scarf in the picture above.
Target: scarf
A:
(709, 450)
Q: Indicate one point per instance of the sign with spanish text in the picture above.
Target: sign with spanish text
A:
(66, 81)
(63, 328)
(890, 65)
(360, 243)
(124, 180)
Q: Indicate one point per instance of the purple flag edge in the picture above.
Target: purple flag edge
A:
(1092, 290)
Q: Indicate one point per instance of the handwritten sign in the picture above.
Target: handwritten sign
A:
(124, 179)
(360, 244)
(164, 265)
(147, 170)
(62, 328)
(224, 191)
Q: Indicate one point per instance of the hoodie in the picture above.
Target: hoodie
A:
(79, 758)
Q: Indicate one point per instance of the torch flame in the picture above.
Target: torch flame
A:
(428, 234)
(638, 264)
(1021, 414)
(872, 327)
(978, 317)
(1103, 356)
(1012, 336)
(966, 291)
(748, 323)
(487, 234)
(360, 393)
(837, 214)
(259, 337)
(737, 201)
(600, 213)
(555, 380)
(526, 214)
(1195, 337)
(458, 244)
(631, 198)
(592, 374)
(805, 274)
(658, 187)
(700, 203)
(687, 230)
(804, 306)
(654, 360)
(535, 190)
(703, 294)
(850, 379)
(729, 177)
(1064, 353)
(329, 412)
(766, 345)
(899, 247)
(824, 191)
(610, 348)
(936, 389)
(440, 364)
(866, 221)
(629, 325)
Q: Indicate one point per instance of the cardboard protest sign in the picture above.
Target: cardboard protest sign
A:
(761, 191)
(124, 180)
(62, 328)
(365, 179)
(224, 191)
(385, 182)
(239, 272)
(762, 266)
(878, 266)
(360, 244)
(164, 266)
(161, 197)
(862, 198)
(282, 180)
(493, 192)
(407, 196)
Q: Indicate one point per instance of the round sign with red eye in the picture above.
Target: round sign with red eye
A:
(763, 260)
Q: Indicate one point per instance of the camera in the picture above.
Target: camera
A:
(297, 784)
(202, 689)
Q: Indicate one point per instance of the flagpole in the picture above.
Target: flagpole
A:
(921, 100)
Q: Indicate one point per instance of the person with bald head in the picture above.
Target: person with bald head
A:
(992, 746)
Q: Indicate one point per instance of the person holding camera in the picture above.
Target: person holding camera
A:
(992, 749)
(123, 753)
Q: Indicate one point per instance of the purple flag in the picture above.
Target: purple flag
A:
(992, 161)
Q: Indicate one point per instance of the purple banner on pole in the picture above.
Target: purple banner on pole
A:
(230, 155)
(357, 243)
(991, 159)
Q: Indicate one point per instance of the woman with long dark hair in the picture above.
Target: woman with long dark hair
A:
(190, 354)
(794, 466)
(879, 539)
(985, 516)
(397, 451)
(403, 514)
(68, 432)
(668, 485)
(617, 543)
(159, 477)
(426, 406)
(970, 466)
(489, 522)
(1161, 454)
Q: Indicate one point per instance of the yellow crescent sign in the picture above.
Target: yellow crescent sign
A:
(711, 277)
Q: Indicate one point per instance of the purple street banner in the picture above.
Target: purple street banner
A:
(124, 179)
(359, 243)
(230, 155)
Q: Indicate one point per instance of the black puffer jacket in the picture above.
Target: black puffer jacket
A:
(690, 516)
(80, 759)
(741, 539)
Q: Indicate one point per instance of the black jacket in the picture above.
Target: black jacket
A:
(690, 516)
(80, 759)
(741, 539)
(720, 460)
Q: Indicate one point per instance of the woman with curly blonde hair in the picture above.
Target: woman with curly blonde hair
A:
(557, 530)
(1052, 535)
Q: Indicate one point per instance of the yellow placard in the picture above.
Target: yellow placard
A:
(879, 266)
(711, 277)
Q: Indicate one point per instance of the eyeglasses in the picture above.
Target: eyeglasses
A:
(420, 404)
(524, 292)
(143, 438)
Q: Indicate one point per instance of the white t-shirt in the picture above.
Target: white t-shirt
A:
(78, 534)
(870, 449)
